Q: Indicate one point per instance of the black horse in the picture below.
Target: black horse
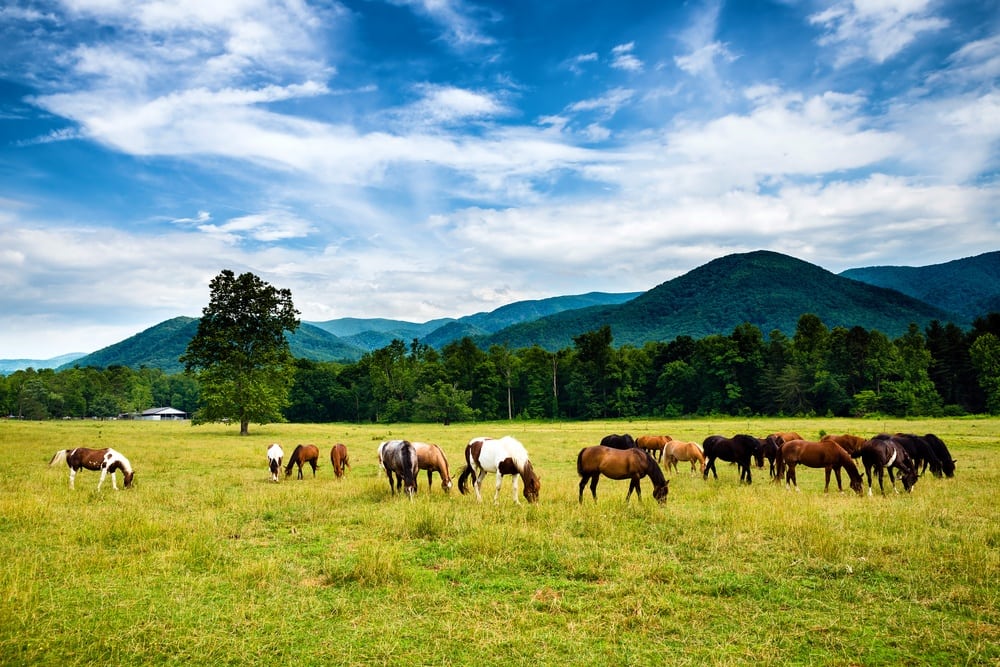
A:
(921, 454)
(941, 451)
(769, 447)
(624, 441)
(886, 453)
(738, 449)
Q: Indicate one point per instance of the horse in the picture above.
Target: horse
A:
(850, 443)
(504, 456)
(632, 464)
(680, 450)
(886, 453)
(106, 460)
(825, 454)
(399, 457)
(941, 451)
(274, 456)
(432, 459)
(921, 453)
(738, 449)
(301, 455)
(339, 460)
(624, 441)
(654, 444)
(769, 448)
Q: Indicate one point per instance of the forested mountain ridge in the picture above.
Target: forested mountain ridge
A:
(766, 289)
(968, 287)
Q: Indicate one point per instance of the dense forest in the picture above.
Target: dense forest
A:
(941, 370)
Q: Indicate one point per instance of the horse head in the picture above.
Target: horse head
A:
(660, 492)
(909, 477)
(532, 484)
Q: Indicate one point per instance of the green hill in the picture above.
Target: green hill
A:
(969, 287)
(766, 289)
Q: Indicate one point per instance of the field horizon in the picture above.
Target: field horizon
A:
(206, 560)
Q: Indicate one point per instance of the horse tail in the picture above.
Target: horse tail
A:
(59, 457)
(464, 478)
(579, 462)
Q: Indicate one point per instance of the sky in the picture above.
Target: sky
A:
(417, 159)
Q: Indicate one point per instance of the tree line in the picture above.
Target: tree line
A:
(941, 370)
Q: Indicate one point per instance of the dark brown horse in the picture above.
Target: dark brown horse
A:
(106, 460)
(339, 460)
(301, 455)
(941, 451)
(631, 464)
(738, 449)
(654, 444)
(885, 453)
(824, 454)
(623, 441)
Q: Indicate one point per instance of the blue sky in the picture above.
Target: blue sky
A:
(416, 159)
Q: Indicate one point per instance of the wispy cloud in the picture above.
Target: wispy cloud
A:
(622, 57)
(457, 19)
(875, 31)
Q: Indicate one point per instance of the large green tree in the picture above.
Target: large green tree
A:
(240, 353)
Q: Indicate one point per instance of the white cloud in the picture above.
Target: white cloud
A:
(875, 30)
(575, 64)
(623, 58)
(461, 29)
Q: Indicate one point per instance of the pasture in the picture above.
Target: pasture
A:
(206, 561)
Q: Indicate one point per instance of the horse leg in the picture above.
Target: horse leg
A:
(104, 473)
(892, 478)
(513, 486)
(72, 477)
(496, 493)
(583, 484)
(791, 476)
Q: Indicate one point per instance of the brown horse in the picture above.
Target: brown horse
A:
(432, 459)
(851, 443)
(300, 456)
(632, 464)
(106, 460)
(339, 460)
(654, 444)
(825, 454)
(679, 450)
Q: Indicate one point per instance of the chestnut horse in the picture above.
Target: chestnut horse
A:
(432, 459)
(884, 452)
(654, 444)
(106, 460)
(679, 450)
(850, 443)
(339, 460)
(301, 455)
(504, 456)
(274, 456)
(399, 457)
(631, 464)
(737, 449)
(825, 454)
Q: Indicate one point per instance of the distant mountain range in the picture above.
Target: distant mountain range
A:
(766, 289)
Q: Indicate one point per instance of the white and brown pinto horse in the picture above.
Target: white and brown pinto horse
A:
(503, 456)
(106, 460)
(274, 456)
(432, 459)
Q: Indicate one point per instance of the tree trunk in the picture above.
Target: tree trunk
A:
(244, 427)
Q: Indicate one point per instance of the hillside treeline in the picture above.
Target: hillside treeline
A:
(942, 370)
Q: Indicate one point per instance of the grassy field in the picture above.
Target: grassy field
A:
(205, 561)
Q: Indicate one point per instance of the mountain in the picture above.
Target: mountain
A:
(346, 327)
(766, 289)
(969, 287)
(8, 366)
(161, 345)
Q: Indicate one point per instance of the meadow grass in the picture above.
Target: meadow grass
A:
(206, 561)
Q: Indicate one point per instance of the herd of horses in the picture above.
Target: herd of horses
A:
(617, 457)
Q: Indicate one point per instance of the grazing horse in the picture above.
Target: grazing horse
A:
(679, 450)
(654, 444)
(632, 464)
(274, 456)
(399, 457)
(825, 454)
(339, 460)
(738, 449)
(106, 460)
(886, 453)
(624, 441)
(432, 459)
(769, 448)
(850, 443)
(301, 455)
(504, 456)
(921, 453)
(941, 451)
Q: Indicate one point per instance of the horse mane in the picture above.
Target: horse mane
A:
(653, 470)
(292, 458)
